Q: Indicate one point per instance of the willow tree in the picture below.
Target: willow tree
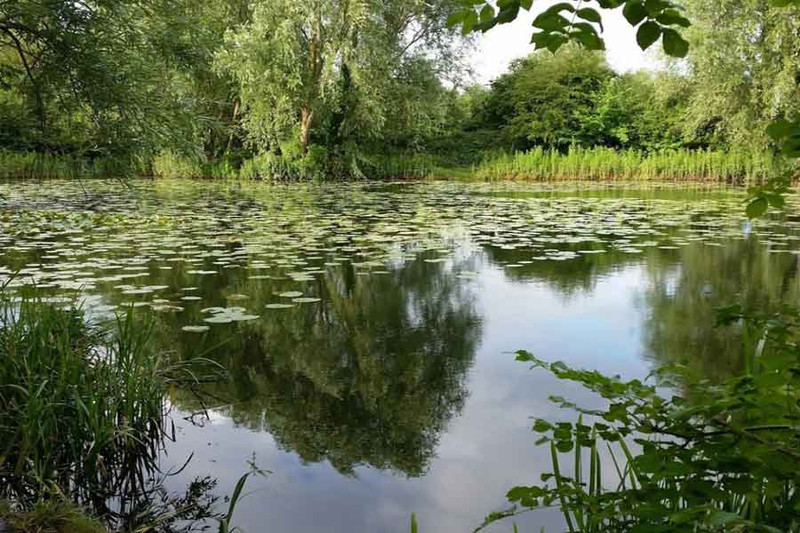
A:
(294, 60)
(745, 61)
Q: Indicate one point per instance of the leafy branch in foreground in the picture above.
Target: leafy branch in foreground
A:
(573, 22)
(712, 457)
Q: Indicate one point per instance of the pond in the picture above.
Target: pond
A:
(369, 330)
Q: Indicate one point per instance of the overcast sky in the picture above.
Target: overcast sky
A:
(497, 48)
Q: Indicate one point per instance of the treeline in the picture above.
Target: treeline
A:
(212, 85)
(279, 89)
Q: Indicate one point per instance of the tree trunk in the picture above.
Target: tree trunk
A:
(306, 116)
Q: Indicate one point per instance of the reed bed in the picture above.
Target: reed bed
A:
(630, 165)
(584, 164)
(36, 165)
(82, 411)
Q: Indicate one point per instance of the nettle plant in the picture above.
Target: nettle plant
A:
(704, 456)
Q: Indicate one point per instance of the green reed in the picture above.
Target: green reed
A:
(36, 165)
(608, 164)
(80, 411)
(83, 410)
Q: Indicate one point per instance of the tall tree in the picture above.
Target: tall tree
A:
(288, 61)
(542, 100)
(745, 63)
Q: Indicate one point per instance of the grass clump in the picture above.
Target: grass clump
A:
(632, 165)
(81, 409)
(84, 418)
(49, 517)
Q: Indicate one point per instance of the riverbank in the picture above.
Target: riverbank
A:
(594, 164)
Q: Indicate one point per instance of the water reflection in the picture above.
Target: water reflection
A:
(681, 298)
(369, 376)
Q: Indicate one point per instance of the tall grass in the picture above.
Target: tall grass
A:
(413, 166)
(171, 165)
(583, 164)
(84, 415)
(608, 164)
(81, 411)
(36, 165)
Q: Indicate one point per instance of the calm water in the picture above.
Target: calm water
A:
(369, 330)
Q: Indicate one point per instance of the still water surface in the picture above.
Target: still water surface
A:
(369, 331)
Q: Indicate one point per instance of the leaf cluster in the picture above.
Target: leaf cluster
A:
(567, 22)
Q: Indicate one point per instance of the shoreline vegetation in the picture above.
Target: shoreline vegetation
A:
(85, 418)
(732, 167)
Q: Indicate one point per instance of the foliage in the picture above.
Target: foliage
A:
(743, 66)
(83, 416)
(90, 77)
(544, 97)
(334, 63)
(655, 19)
(608, 164)
(38, 165)
(574, 98)
(171, 165)
(708, 456)
(49, 517)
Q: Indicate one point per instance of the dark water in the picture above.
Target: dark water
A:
(390, 387)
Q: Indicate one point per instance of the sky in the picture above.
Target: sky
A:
(498, 47)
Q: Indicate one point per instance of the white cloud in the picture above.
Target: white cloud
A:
(499, 47)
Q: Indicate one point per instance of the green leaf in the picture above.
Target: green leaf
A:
(674, 44)
(508, 15)
(550, 21)
(469, 22)
(648, 33)
(654, 7)
(591, 15)
(591, 41)
(487, 13)
(722, 518)
(673, 17)
(757, 207)
(634, 12)
(455, 19)
(558, 8)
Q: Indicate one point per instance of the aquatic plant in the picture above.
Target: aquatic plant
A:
(608, 164)
(39, 165)
(83, 412)
(169, 164)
